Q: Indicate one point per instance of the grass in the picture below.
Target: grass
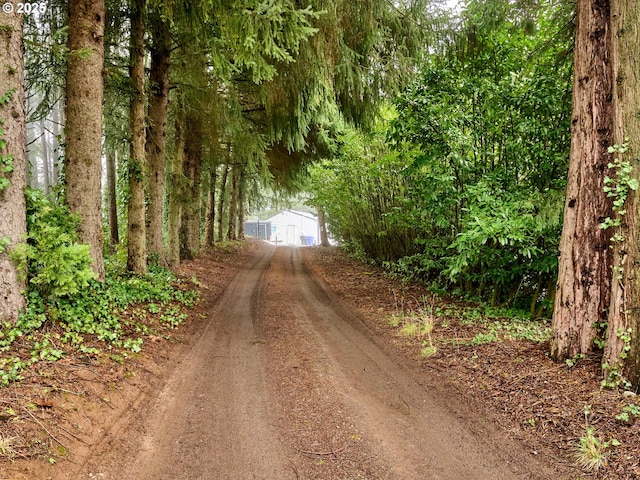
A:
(416, 324)
(497, 324)
(592, 452)
(7, 446)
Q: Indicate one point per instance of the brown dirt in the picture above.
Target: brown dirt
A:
(288, 369)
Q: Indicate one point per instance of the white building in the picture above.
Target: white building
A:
(290, 227)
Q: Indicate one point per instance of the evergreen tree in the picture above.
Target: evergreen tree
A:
(12, 163)
(175, 185)
(622, 350)
(136, 232)
(157, 125)
(584, 276)
(84, 94)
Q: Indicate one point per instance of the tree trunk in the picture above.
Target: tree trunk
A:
(322, 224)
(136, 229)
(45, 158)
(57, 114)
(84, 123)
(112, 201)
(209, 237)
(223, 188)
(240, 207)
(233, 203)
(32, 157)
(192, 168)
(174, 213)
(58, 141)
(157, 131)
(622, 347)
(13, 226)
(584, 276)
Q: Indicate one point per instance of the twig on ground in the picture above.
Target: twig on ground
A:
(44, 428)
(73, 435)
(321, 454)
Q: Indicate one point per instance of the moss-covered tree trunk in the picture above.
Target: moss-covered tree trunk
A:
(84, 92)
(232, 233)
(192, 169)
(174, 188)
(136, 233)
(622, 347)
(241, 200)
(13, 225)
(157, 130)
(223, 191)
(112, 202)
(584, 277)
(209, 237)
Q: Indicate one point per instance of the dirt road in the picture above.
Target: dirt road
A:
(285, 382)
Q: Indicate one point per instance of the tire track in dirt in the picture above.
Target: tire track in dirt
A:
(213, 420)
(285, 382)
(413, 431)
(315, 424)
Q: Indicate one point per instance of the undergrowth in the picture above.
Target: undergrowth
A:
(116, 315)
(496, 325)
(592, 451)
(68, 310)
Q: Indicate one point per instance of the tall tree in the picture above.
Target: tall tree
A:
(157, 129)
(223, 188)
(136, 236)
(210, 219)
(584, 277)
(175, 187)
(84, 93)
(242, 177)
(12, 162)
(322, 226)
(192, 170)
(622, 349)
(232, 230)
(112, 203)
(56, 130)
(45, 157)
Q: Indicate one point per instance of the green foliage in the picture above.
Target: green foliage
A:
(613, 377)
(573, 361)
(461, 184)
(363, 194)
(62, 292)
(52, 261)
(631, 411)
(263, 33)
(105, 313)
(4, 243)
(500, 325)
(613, 374)
(618, 189)
(505, 237)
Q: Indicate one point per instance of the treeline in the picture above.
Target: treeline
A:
(157, 124)
(462, 183)
(506, 171)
